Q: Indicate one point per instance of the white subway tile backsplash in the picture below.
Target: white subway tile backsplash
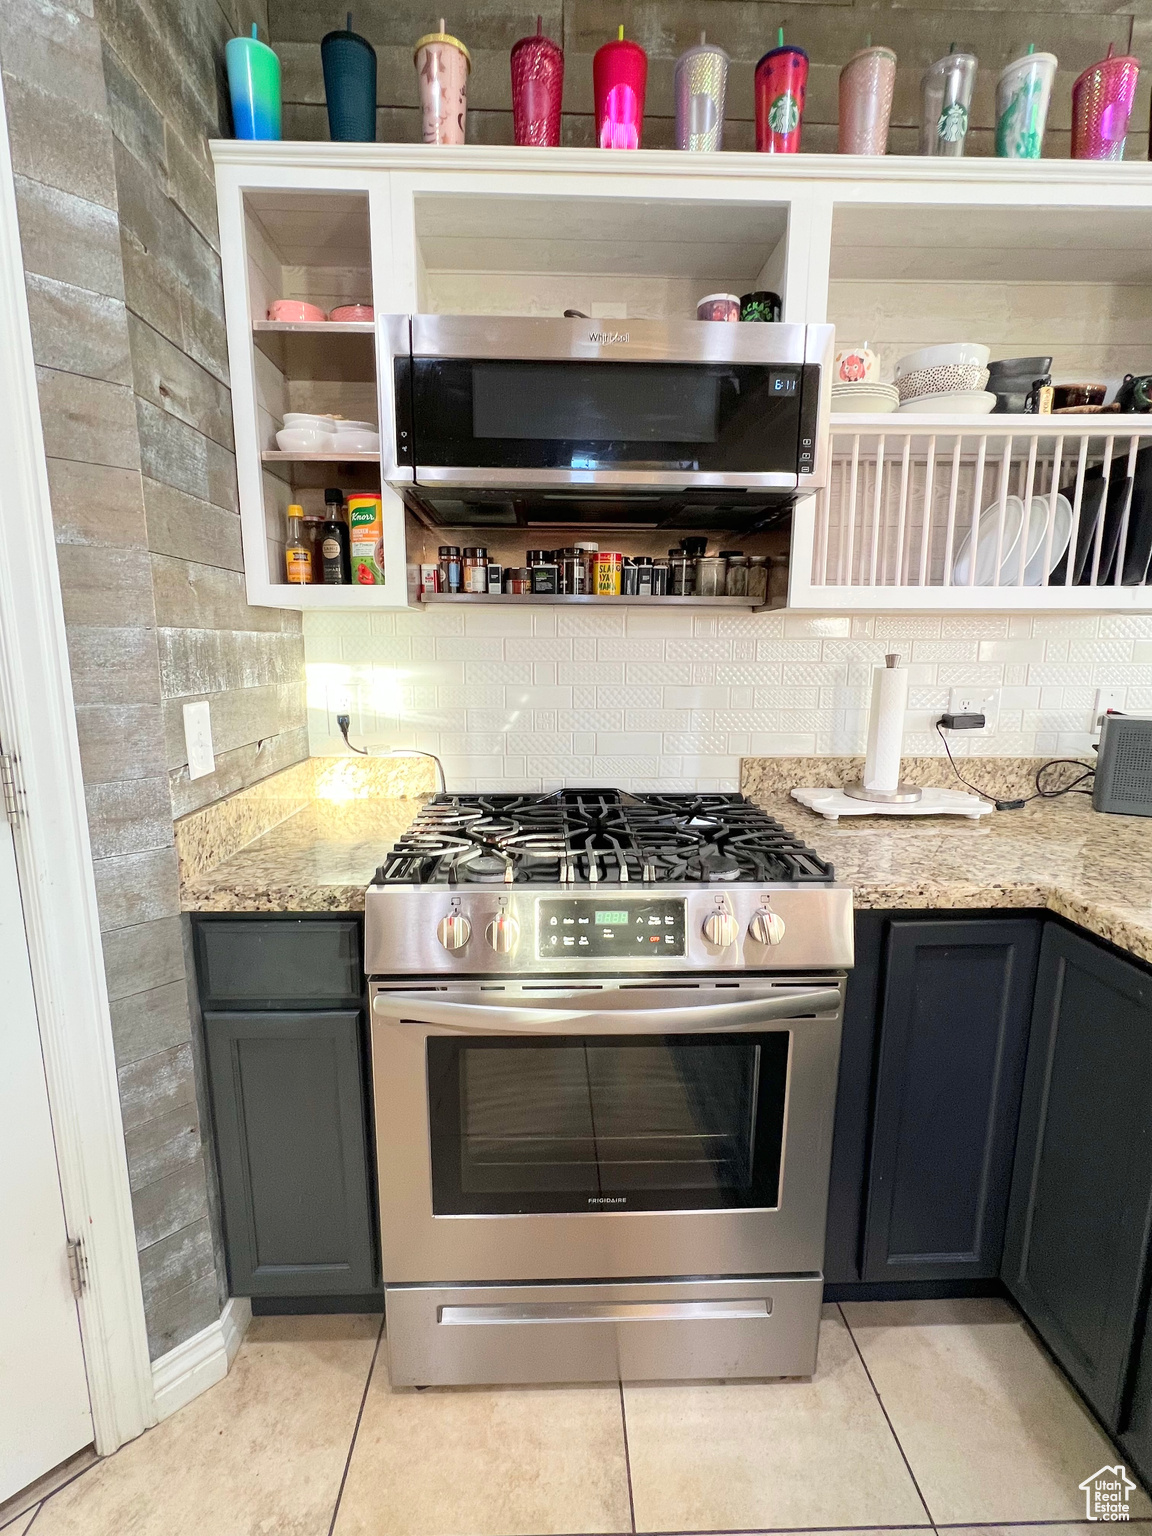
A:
(530, 698)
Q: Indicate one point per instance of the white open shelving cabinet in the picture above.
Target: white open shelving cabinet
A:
(1028, 257)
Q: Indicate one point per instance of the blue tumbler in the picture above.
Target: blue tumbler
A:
(350, 85)
(254, 86)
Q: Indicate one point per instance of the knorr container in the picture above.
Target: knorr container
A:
(366, 526)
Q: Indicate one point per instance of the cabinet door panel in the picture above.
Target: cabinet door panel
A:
(288, 1101)
(1082, 1190)
(954, 1023)
(258, 962)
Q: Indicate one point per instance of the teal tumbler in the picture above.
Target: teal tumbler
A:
(350, 86)
(254, 85)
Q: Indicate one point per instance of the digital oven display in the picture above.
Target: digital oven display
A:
(650, 930)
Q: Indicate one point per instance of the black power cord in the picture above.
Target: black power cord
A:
(1041, 792)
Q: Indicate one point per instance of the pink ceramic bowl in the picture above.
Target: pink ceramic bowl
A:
(353, 312)
(294, 312)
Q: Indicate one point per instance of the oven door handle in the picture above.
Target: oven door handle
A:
(482, 1018)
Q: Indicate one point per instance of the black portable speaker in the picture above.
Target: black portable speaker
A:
(1124, 766)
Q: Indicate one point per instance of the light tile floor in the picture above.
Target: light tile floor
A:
(920, 1414)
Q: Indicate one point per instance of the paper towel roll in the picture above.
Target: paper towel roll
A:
(886, 726)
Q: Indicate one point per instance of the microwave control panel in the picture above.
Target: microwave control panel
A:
(607, 927)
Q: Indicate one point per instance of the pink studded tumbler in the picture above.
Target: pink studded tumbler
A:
(1101, 104)
(537, 87)
(619, 78)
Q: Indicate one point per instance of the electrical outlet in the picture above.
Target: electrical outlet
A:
(198, 740)
(976, 701)
(1106, 699)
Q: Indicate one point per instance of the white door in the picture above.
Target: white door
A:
(44, 1412)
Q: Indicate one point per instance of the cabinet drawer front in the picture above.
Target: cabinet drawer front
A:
(288, 1101)
(251, 962)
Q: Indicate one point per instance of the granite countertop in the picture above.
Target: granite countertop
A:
(1095, 870)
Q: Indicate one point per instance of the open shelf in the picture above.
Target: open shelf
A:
(274, 456)
(325, 351)
(562, 599)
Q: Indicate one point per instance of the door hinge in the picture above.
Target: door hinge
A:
(11, 787)
(77, 1265)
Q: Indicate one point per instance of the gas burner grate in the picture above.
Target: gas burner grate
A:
(585, 836)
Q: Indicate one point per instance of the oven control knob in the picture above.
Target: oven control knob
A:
(503, 933)
(720, 929)
(766, 926)
(454, 930)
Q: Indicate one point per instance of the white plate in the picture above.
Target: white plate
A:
(958, 402)
(1009, 553)
(873, 399)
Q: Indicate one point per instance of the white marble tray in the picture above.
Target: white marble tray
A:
(834, 803)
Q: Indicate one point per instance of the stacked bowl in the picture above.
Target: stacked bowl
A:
(1011, 378)
(945, 381)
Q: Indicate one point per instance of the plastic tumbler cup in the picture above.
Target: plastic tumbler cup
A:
(1023, 92)
(781, 83)
(867, 82)
(947, 95)
(254, 86)
(349, 62)
(1101, 105)
(619, 80)
(443, 63)
(537, 88)
(701, 83)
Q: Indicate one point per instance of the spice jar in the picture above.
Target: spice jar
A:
(475, 568)
(778, 581)
(517, 580)
(451, 574)
(545, 576)
(660, 577)
(736, 576)
(643, 565)
(609, 563)
(495, 577)
(629, 578)
(572, 572)
(758, 578)
(710, 573)
(681, 574)
(588, 552)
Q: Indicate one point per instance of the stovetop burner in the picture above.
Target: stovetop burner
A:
(585, 836)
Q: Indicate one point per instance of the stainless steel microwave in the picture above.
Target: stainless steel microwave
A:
(636, 409)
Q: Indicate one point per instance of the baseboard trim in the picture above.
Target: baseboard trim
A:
(201, 1361)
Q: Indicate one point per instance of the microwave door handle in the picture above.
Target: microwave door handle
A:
(479, 1018)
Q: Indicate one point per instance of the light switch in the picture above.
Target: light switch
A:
(198, 739)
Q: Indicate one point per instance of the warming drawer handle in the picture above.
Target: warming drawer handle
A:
(480, 1018)
(751, 1310)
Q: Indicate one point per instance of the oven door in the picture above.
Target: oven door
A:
(521, 403)
(602, 1130)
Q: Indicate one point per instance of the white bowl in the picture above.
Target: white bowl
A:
(360, 441)
(956, 402)
(310, 419)
(940, 357)
(354, 426)
(305, 440)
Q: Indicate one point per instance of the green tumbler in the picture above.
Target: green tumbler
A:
(254, 85)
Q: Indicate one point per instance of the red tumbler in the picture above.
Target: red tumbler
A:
(781, 81)
(1102, 100)
(619, 77)
(537, 86)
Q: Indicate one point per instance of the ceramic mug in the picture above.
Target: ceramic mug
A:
(1135, 394)
(856, 365)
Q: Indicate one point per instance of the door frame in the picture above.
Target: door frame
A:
(57, 883)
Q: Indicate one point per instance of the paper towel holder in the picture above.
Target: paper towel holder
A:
(903, 794)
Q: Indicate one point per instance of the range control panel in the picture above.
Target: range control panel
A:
(608, 927)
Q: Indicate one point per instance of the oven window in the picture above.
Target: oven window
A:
(587, 1123)
(706, 417)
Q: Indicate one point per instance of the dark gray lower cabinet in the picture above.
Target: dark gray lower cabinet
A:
(954, 1020)
(1081, 1207)
(288, 1101)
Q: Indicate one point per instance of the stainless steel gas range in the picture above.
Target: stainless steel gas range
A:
(605, 1041)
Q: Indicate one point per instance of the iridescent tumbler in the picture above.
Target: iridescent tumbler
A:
(1101, 105)
(537, 88)
(781, 84)
(700, 85)
(619, 80)
(867, 83)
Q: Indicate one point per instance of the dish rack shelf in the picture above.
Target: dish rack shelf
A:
(929, 512)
